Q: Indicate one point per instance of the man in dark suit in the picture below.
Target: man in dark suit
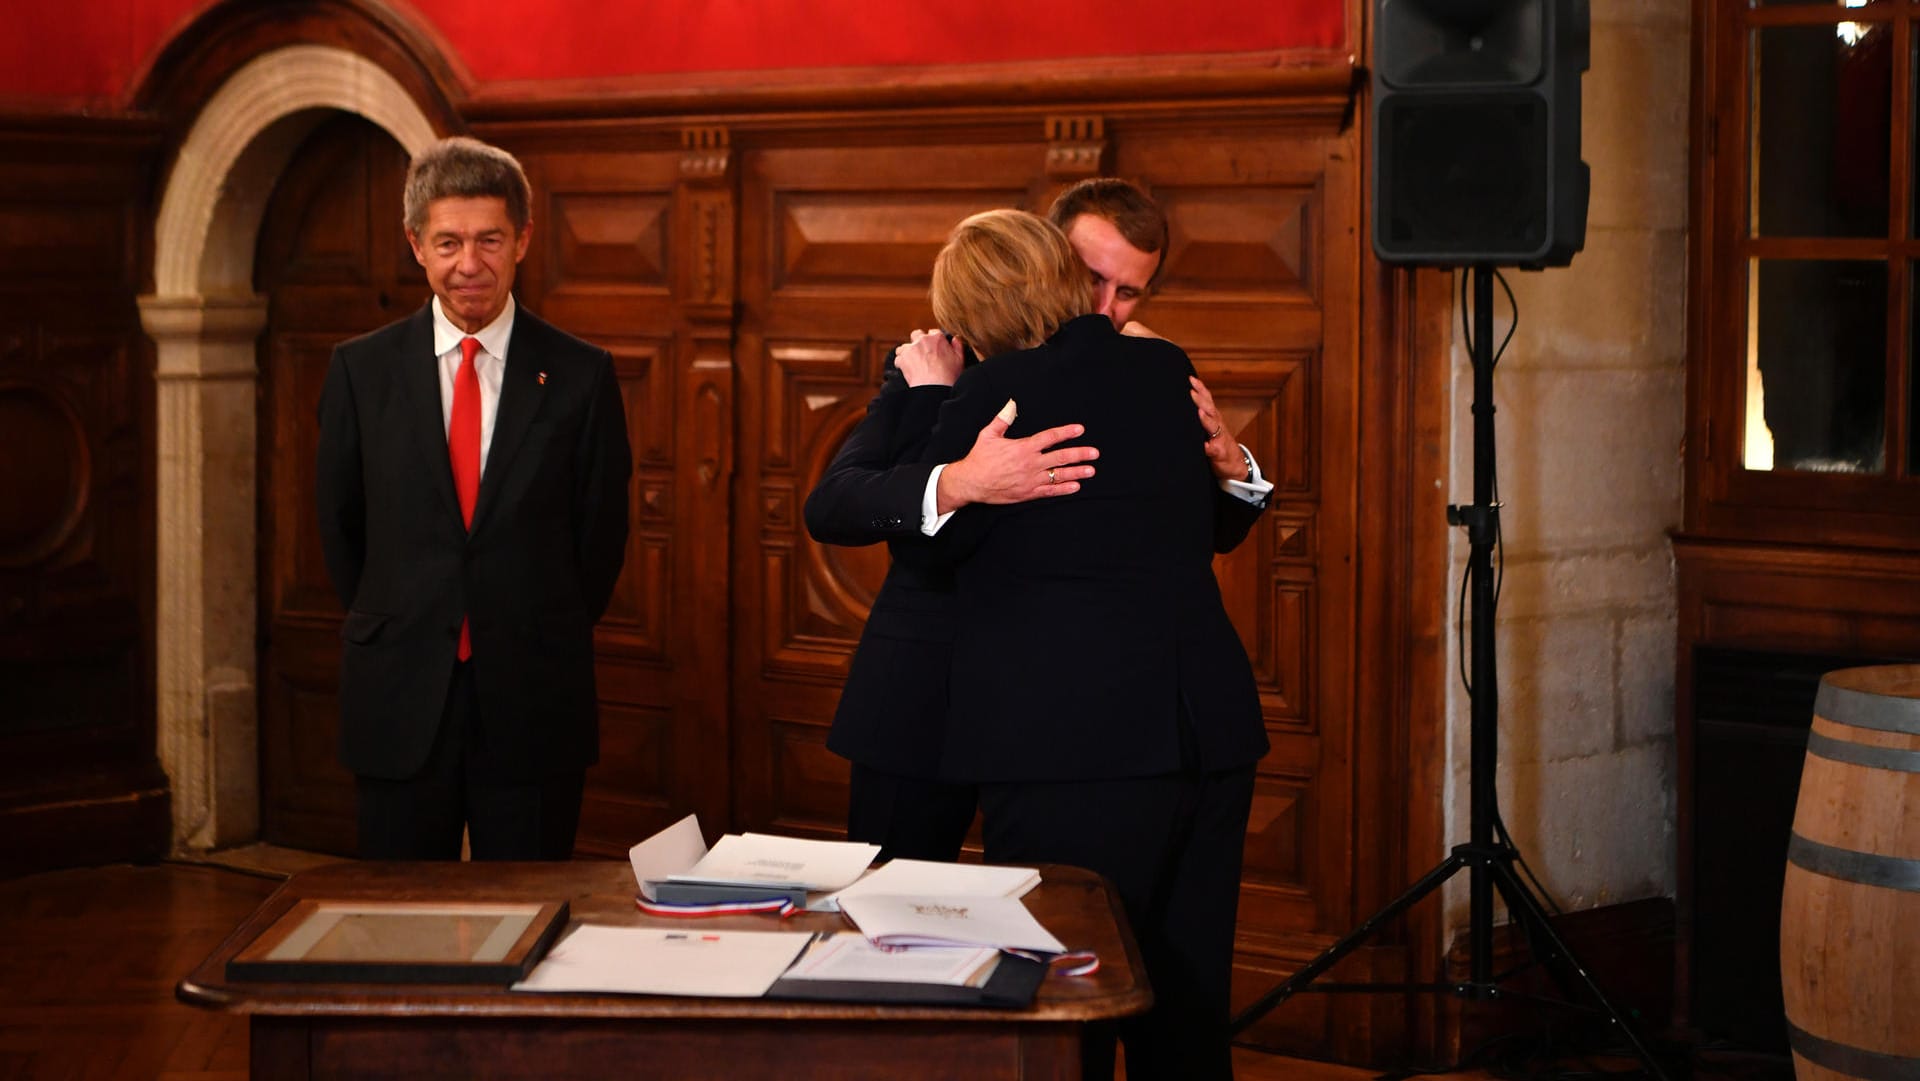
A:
(472, 485)
(890, 723)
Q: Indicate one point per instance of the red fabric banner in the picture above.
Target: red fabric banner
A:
(90, 50)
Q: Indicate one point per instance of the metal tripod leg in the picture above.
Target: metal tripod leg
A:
(1332, 954)
(1526, 910)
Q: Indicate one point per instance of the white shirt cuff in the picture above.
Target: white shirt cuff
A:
(1254, 489)
(930, 517)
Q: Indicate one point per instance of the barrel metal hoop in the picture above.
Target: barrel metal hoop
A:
(1852, 1061)
(1884, 713)
(1866, 868)
(1861, 754)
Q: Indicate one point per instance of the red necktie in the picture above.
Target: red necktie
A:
(463, 448)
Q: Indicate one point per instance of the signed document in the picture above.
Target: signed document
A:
(926, 878)
(897, 920)
(675, 866)
(764, 859)
(649, 961)
(852, 957)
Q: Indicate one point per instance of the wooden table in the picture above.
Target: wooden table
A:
(312, 1031)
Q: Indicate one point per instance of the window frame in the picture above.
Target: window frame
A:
(1723, 497)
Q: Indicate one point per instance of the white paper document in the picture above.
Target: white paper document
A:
(763, 859)
(672, 850)
(649, 961)
(679, 854)
(926, 878)
(1000, 922)
(852, 957)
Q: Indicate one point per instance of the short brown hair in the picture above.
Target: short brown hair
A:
(463, 168)
(1126, 204)
(1007, 280)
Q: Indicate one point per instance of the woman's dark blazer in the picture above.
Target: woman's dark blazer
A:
(1086, 626)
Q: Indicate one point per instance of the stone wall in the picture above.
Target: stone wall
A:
(1591, 398)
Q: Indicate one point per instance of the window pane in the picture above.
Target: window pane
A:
(1816, 366)
(1822, 101)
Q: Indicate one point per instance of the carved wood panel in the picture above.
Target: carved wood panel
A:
(78, 776)
(834, 271)
(836, 246)
(1260, 287)
(612, 262)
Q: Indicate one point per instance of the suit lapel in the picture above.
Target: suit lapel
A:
(420, 378)
(520, 394)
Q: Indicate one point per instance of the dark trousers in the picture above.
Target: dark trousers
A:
(908, 817)
(505, 814)
(1171, 845)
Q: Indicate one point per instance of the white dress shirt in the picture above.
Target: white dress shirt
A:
(489, 364)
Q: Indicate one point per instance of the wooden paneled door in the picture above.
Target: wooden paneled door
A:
(836, 248)
(1261, 287)
(333, 263)
(632, 251)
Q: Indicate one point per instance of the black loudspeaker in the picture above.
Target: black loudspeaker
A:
(1476, 131)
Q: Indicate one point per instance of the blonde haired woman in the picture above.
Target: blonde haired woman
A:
(1100, 697)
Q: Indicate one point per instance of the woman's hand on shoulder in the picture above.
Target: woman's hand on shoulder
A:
(929, 358)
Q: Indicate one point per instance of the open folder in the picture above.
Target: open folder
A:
(674, 866)
(845, 967)
(1002, 923)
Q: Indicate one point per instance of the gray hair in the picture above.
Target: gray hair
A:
(460, 167)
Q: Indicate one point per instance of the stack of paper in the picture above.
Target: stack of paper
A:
(897, 920)
(641, 960)
(674, 866)
(852, 958)
(923, 878)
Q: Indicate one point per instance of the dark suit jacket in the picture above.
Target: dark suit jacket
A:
(548, 537)
(1085, 627)
(893, 707)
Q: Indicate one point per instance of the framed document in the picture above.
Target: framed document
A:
(401, 942)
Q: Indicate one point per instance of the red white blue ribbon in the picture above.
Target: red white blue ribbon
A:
(778, 906)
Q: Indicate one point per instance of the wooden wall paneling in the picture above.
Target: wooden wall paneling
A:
(837, 243)
(709, 207)
(619, 258)
(1261, 287)
(1403, 628)
(79, 780)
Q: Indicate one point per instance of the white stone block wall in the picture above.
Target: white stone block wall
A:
(1591, 399)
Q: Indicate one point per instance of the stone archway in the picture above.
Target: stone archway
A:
(204, 319)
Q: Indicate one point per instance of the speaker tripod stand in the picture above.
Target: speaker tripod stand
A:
(1487, 859)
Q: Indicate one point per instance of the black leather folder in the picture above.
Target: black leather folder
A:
(1012, 985)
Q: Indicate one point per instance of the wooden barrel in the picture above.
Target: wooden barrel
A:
(1850, 913)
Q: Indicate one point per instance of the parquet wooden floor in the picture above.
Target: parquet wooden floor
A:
(88, 961)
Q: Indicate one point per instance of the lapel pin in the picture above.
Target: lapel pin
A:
(543, 378)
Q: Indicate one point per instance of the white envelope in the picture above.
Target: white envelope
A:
(666, 853)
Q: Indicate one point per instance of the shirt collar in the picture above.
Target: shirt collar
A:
(493, 337)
